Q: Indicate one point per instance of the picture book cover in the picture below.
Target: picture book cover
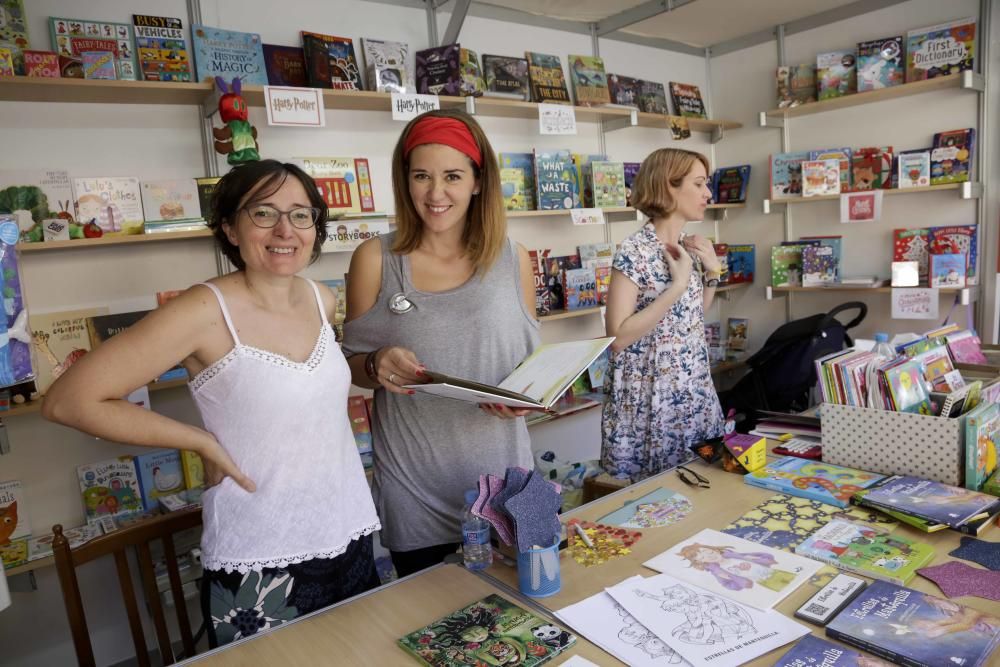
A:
(472, 76)
(63, 31)
(161, 48)
(625, 90)
(947, 270)
(41, 546)
(584, 179)
(543, 295)
(737, 335)
(526, 163)
(342, 64)
(41, 63)
(841, 154)
(337, 181)
(593, 255)
(824, 482)
(507, 75)
(35, 195)
(555, 179)
(819, 266)
(206, 189)
(813, 650)
(228, 53)
(7, 66)
(914, 168)
(160, 474)
(598, 371)
(602, 277)
(98, 65)
(113, 202)
(170, 200)
(193, 468)
(512, 187)
(658, 508)
(783, 521)
(950, 505)
(880, 63)
(13, 23)
(590, 83)
(745, 572)
(110, 488)
(951, 156)
(704, 627)
(388, 66)
(786, 174)
(820, 177)
(867, 550)
(940, 50)
(439, 70)
(608, 183)
(786, 265)
(687, 100)
(285, 65)
(966, 348)
(491, 631)
(831, 241)
(14, 553)
(14, 522)
(871, 168)
(803, 83)
(911, 245)
(907, 390)
(742, 262)
(729, 184)
(581, 288)
(909, 627)
(836, 74)
(653, 97)
(631, 170)
(545, 74)
(59, 340)
(555, 266)
(357, 412)
(982, 433)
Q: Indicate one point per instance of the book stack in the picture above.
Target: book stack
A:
(930, 506)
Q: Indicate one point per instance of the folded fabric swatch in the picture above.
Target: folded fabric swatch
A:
(535, 513)
(985, 553)
(958, 579)
(500, 520)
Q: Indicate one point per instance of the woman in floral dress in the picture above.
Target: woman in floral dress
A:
(662, 396)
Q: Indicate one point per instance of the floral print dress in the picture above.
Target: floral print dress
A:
(662, 396)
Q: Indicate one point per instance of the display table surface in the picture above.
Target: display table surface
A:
(727, 499)
(364, 630)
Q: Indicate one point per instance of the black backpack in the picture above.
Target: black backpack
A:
(783, 372)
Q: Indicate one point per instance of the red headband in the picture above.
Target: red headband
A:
(447, 131)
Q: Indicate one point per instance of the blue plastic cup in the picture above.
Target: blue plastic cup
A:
(538, 571)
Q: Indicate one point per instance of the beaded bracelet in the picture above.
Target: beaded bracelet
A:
(370, 369)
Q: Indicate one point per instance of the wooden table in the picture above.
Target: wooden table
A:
(364, 630)
(726, 500)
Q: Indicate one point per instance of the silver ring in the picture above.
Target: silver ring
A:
(392, 378)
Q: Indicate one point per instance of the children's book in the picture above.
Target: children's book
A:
(507, 75)
(911, 245)
(729, 184)
(357, 412)
(63, 32)
(819, 266)
(13, 23)
(836, 74)
(602, 277)
(34, 196)
(193, 468)
(473, 84)
(110, 488)
(905, 388)
(871, 168)
(786, 265)
(631, 171)
(512, 187)
(41, 546)
(526, 163)
(908, 627)
(931, 500)
(658, 508)
(867, 550)
(170, 201)
(965, 348)
(624, 90)
(841, 154)
(543, 295)
(114, 203)
(880, 63)
(7, 67)
(59, 339)
(652, 97)
(956, 239)
(339, 183)
(555, 270)
(742, 262)
(285, 65)
(580, 288)
(812, 650)
(14, 553)
(41, 63)
(13, 513)
(597, 372)
(737, 334)
(584, 177)
(982, 433)
(161, 48)
(388, 66)
(536, 383)
(940, 50)
(947, 270)
(98, 65)
(593, 255)
(160, 474)
(545, 74)
(786, 174)
(820, 177)
(608, 183)
(824, 482)
(331, 62)
(590, 83)
(206, 189)
(802, 84)
(951, 156)
(555, 180)
(687, 100)
(491, 631)
(229, 54)
(746, 572)
(914, 168)
(438, 70)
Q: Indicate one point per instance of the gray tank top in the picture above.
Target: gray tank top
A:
(429, 450)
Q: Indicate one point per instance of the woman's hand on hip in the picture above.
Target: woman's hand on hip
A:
(397, 367)
(219, 465)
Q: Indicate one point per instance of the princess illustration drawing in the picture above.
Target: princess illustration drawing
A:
(708, 619)
(737, 570)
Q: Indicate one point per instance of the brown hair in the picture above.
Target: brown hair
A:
(690, 552)
(486, 223)
(666, 166)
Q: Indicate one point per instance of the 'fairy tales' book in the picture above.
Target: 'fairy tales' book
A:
(491, 631)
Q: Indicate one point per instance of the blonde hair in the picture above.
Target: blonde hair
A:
(662, 168)
(486, 222)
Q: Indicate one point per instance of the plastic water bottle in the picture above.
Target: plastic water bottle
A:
(882, 348)
(476, 548)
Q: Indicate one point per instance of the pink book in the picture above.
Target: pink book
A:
(965, 348)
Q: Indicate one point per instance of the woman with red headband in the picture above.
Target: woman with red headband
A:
(450, 292)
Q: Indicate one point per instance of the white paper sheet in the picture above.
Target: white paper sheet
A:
(4, 592)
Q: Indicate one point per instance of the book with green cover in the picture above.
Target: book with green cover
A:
(867, 550)
(491, 631)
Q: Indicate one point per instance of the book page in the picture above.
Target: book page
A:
(546, 374)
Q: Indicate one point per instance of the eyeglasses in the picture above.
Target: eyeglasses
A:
(265, 217)
(701, 482)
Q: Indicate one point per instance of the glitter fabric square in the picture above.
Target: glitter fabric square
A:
(958, 579)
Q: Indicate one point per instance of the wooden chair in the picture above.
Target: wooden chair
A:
(138, 536)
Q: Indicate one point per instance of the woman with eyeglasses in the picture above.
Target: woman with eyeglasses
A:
(288, 515)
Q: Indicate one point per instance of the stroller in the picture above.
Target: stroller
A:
(783, 372)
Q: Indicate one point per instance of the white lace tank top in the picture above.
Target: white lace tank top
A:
(285, 425)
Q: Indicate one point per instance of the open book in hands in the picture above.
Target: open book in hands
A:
(537, 382)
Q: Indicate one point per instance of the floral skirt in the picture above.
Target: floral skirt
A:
(240, 605)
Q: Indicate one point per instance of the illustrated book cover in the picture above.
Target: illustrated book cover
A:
(388, 66)
(160, 474)
(940, 50)
(590, 83)
(229, 54)
(545, 74)
(687, 100)
(110, 488)
(285, 65)
(113, 202)
(14, 522)
(950, 505)
(507, 75)
(438, 70)
(161, 48)
(824, 482)
(880, 63)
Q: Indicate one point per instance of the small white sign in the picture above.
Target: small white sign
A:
(914, 303)
(55, 229)
(346, 235)
(140, 397)
(865, 206)
(587, 216)
(294, 107)
(556, 119)
(406, 106)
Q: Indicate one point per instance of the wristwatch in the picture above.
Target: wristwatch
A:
(710, 279)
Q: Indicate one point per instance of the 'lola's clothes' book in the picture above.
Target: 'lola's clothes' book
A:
(491, 631)
(824, 482)
(913, 628)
